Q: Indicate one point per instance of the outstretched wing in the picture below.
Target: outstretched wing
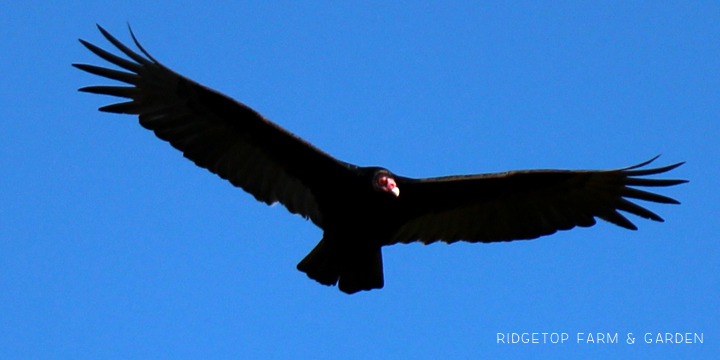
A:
(217, 132)
(521, 205)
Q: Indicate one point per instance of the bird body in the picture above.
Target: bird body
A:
(361, 209)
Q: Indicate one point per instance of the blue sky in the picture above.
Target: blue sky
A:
(113, 246)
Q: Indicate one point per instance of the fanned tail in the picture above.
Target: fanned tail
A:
(352, 271)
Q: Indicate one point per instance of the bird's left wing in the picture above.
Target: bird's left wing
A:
(522, 204)
(218, 133)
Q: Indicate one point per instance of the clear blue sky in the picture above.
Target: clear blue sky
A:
(113, 246)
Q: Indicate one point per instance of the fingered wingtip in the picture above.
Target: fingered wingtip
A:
(642, 163)
(85, 43)
(102, 30)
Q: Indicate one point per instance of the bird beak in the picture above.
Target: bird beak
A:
(396, 191)
(386, 183)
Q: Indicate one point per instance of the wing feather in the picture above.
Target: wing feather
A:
(216, 132)
(523, 205)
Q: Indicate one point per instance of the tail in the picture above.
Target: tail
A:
(352, 270)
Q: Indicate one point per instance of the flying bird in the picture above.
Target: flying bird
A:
(361, 209)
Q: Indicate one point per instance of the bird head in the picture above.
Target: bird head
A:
(384, 181)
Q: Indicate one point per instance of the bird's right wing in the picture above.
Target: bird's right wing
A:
(522, 204)
(216, 132)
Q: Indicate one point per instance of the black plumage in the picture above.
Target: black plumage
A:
(361, 209)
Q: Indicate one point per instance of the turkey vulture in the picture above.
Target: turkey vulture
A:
(361, 209)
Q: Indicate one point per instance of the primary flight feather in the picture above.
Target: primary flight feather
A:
(361, 209)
